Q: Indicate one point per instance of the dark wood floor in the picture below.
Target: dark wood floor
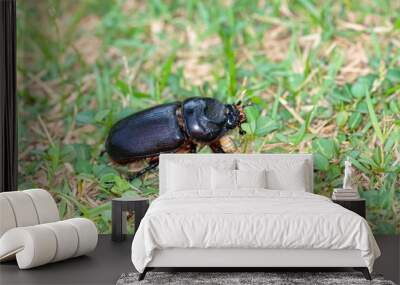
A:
(103, 266)
(389, 262)
(110, 260)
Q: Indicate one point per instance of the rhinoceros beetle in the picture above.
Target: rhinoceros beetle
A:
(174, 127)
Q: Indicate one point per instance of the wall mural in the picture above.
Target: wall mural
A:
(315, 76)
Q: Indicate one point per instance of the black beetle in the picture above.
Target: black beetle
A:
(174, 127)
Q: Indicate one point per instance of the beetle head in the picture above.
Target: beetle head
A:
(236, 116)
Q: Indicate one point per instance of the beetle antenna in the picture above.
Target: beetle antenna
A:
(240, 104)
(248, 105)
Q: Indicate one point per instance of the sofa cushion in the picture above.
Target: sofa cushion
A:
(45, 205)
(7, 220)
(26, 208)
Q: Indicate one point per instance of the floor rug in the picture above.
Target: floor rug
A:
(244, 278)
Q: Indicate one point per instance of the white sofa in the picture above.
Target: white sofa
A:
(31, 232)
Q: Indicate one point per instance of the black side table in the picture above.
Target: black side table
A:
(120, 206)
(357, 206)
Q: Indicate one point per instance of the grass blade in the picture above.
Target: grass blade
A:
(374, 119)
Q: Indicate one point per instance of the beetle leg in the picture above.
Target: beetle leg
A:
(241, 131)
(225, 144)
(102, 153)
(193, 148)
(153, 163)
(216, 147)
(188, 147)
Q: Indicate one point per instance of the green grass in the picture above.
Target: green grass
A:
(324, 77)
